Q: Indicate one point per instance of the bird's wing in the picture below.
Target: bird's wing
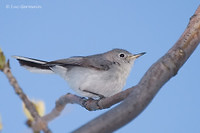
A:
(89, 62)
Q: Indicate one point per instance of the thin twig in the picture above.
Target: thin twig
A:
(89, 104)
(29, 105)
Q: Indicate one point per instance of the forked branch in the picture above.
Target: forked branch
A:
(157, 75)
(134, 99)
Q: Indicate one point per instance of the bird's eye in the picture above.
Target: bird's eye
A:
(121, 55)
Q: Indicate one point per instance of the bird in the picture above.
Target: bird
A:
(94, 76)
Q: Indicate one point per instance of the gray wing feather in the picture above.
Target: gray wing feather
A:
(95, 62)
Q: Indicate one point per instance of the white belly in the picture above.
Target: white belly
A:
(84, 80)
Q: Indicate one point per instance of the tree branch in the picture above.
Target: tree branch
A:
(157, 75)
(136, 98)
(88, 104)
(29, 105)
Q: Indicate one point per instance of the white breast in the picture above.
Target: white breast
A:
(106, 83)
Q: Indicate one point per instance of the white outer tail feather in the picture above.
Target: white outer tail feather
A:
(33, 69)
(28, 59)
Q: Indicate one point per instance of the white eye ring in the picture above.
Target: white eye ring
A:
(122, 55)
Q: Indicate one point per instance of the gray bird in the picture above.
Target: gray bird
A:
(94, 76)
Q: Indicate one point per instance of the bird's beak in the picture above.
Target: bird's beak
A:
(136, 55)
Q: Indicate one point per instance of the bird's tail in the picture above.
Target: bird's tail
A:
(34, 65)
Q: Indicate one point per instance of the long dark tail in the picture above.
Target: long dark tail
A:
(34, 65)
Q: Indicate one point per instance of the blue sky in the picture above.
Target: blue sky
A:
(64, 28)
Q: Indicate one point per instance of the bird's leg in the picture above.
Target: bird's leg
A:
(99, 95)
